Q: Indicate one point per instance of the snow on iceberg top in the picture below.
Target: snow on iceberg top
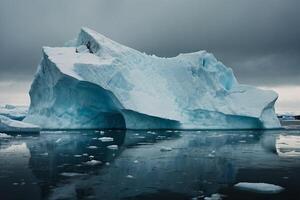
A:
(177, 88)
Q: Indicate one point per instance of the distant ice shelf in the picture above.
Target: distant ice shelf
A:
(10, 125)
(14, 112)
(98, 83)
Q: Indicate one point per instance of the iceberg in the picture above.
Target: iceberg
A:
(98, 83)
(10, 125)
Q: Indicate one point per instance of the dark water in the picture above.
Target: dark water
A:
(148, 165)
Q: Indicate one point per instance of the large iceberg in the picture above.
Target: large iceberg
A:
(98, 83)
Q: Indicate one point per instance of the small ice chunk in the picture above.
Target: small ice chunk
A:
(85, 154)
(210, 155)
(77, 156)
(106, 139)
(160, 137)
(71, 174)
(93, 162)
(259, 187)
(136, 161)
(129, 176)
(151, 132)
(166, 149)
(92, 147)
(113, 147)
(91, 157)
(44, 154)
(214, 197)
(58, 140)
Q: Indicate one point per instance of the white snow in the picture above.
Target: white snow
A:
(7, 124)
(99, 83)
(259, 187)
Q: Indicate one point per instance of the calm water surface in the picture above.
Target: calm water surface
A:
(148, 164)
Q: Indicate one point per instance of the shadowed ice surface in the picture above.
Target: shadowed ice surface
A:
(118, 164)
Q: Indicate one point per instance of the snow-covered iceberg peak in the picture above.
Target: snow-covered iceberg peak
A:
(99, 83)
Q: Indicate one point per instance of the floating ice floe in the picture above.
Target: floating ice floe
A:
(71, 174)
(129, 176)
(166, 149)
(214, 197)
(106, 139)
(259, 187)
(113, 147)
(58, 140)
(93, 162)
(92, 147)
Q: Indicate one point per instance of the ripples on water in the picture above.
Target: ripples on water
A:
(117, 164)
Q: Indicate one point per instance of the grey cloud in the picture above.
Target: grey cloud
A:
(260, 40)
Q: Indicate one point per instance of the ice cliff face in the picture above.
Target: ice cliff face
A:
(98, 83)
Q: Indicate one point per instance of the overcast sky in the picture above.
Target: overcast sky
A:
(259, 39)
